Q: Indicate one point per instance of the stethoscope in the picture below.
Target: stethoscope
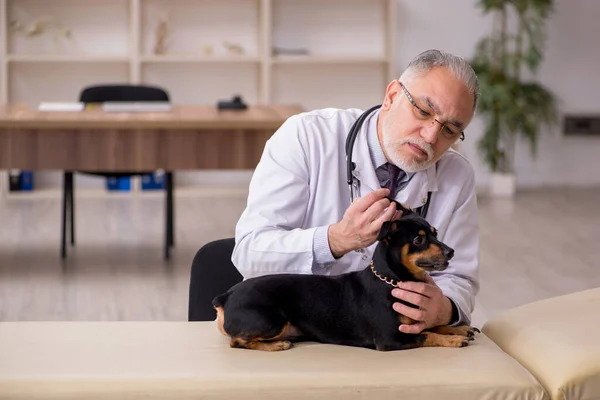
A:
(353, 181)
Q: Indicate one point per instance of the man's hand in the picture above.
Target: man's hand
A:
(361, 223)
(435, 308)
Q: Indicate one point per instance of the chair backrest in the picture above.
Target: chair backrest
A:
(212, 274)
(103, 93)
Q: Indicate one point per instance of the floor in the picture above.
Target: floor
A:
(542, 244)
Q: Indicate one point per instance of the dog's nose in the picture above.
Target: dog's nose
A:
(448, 252)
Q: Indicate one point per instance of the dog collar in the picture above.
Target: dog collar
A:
(383, 278)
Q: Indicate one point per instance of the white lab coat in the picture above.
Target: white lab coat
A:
(300, 184)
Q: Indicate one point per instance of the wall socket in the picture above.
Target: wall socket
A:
(582, 125)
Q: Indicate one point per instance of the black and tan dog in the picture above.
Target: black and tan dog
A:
(354, 309)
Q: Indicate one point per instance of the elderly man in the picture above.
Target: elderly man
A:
(300, 218)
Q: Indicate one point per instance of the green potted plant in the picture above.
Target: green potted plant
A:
(514, 105)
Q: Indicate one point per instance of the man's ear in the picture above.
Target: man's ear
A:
(387, 228)
(391, 94)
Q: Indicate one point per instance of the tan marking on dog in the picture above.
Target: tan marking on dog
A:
(406, 320)
(289, 332)
(221, 320)
(393, 228)
(432, 252)
(422, 232)
(266, 344)
(436, 340)
(257, 344)
(432, 230)
(462, 330)
(409, 262)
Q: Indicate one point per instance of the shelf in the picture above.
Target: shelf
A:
(201, 51)
(292, 59)
(177, 58)
(70, 58)
(34, 58)
(92, 26)
(189, 26)
(331, 28)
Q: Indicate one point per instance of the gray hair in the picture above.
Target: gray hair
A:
(458, 67)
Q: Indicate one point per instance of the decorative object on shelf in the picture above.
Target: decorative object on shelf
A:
(162, 35)
(41, 26)
(208, 50)
(233, 48)
(511, 104)
(282, 51)
(38, 27)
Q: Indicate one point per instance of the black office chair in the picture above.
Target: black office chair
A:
(101, 94)
(212, 273)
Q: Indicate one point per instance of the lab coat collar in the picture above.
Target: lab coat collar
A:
(414, 195)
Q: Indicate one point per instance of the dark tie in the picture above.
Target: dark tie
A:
(389, 177)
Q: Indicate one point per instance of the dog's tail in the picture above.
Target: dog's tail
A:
(220, 300)
(218, 304)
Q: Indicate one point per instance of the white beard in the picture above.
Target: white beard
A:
(410, 165)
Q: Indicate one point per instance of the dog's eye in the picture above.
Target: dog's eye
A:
(418, 240)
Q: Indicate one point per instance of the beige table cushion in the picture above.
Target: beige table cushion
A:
(558, 340)
(180, 360)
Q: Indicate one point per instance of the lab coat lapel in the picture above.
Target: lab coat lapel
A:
(414, 195)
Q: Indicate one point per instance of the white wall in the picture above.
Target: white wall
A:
(454, 26)
(570, 70)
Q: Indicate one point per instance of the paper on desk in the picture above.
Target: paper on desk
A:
(143, 106)
(61, 106)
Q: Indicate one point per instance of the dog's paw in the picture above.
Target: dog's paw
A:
(472, 330)
(284, 345)
(466, 330)
(462, 330)
(456, 341)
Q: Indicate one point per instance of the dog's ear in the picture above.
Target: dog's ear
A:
(400, 207)
(387, 228)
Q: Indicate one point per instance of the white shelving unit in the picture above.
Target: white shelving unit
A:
(68, 58)
(3, 54)
(348, 50)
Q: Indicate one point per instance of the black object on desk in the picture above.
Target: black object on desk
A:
(236, 103)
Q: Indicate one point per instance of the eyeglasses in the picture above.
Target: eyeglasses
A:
(423, 115)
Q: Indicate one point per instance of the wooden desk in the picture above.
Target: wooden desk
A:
(188, 137)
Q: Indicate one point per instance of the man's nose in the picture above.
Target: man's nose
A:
(430, 132)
